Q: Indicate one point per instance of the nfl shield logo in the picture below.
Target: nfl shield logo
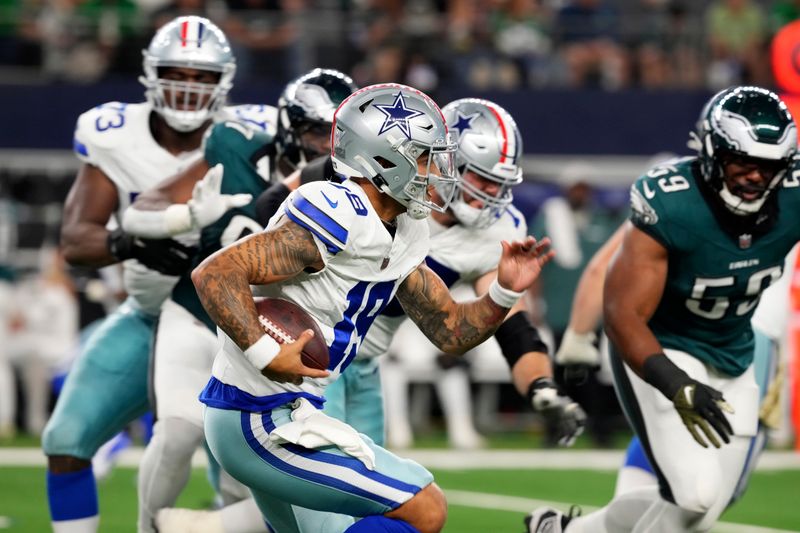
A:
(745, 240)
(385, 263)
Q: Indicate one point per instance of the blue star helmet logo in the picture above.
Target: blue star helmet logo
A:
(397, 115)
(464, 122)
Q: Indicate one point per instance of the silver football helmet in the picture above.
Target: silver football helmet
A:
(489, 144)
(188, 42)
(381, 131)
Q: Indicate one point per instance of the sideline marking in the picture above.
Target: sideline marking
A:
(452, 459)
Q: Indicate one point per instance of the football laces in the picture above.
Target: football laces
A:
(275, 331)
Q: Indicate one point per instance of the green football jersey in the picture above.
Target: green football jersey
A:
(248, 157)
(715, 278)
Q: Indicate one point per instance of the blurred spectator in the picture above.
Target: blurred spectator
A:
(577, 226)
(266, 36)
(784, 12)
(520, 32)
(588, 40)
(45, 334)
(736, 32)
(80, 38)
(8, 389)
(666, 43)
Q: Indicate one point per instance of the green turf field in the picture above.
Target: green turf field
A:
(772, 500)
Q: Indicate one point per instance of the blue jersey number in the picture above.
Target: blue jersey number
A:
(365, 301)
(109, 121)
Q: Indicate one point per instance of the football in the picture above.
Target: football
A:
(284, 321)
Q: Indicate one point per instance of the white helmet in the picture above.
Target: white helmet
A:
(489, 144)
(380, 131)
(188, 42)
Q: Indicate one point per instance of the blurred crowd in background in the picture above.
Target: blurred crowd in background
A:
(504, 44)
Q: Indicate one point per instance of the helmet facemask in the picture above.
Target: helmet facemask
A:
(492, 206)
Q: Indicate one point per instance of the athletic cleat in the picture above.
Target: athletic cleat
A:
(549, 520)
(175, 520)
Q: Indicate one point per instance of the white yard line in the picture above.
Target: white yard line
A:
(453, 459)
(516, 504)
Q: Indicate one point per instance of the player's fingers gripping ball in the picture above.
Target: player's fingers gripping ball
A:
(287, 322)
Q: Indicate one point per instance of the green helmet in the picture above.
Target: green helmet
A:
(745, 122)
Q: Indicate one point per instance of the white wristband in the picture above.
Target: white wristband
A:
(503, 297)
(178, 219)
(262, 352)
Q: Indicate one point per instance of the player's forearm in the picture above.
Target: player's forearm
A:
(530, 367)
(224, 290)
(86, 244)
(630, 335)
(461, 326)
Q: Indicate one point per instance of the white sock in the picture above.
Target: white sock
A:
(456, 397)
(394, 383)
(165, 467)
(243, 517)
(82, 525)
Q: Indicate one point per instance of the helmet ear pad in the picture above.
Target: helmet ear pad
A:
(188, 42)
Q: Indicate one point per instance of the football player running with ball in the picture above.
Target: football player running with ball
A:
(708, 235)
(239, 162)
(342, 251)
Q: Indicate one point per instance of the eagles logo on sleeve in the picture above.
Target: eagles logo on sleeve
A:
(641, 210)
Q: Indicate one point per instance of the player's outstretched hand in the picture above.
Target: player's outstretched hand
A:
(701, 407)
(208, 203)
(521, 262)
(558, 408)
(287, 366)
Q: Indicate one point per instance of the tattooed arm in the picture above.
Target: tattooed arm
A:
(223, 284)
(453, 327)
(456, 327)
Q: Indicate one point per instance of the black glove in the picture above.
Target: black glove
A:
(698, 405)
(163, 255)
(557, 408)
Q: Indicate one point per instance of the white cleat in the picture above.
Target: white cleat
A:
(549, 520)
(175, 520)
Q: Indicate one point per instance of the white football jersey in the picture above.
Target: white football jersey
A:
(116, 138)
(364, 266)
(458, 254)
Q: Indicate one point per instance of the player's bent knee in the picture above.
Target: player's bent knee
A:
(699, 493)
(426, 511)
(64, 439)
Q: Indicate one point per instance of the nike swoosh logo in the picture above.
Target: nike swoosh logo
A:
(330, 202)
(649, 194)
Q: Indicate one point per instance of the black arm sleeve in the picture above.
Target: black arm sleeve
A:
(269, 201)
(317, 170)
(518, 336)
